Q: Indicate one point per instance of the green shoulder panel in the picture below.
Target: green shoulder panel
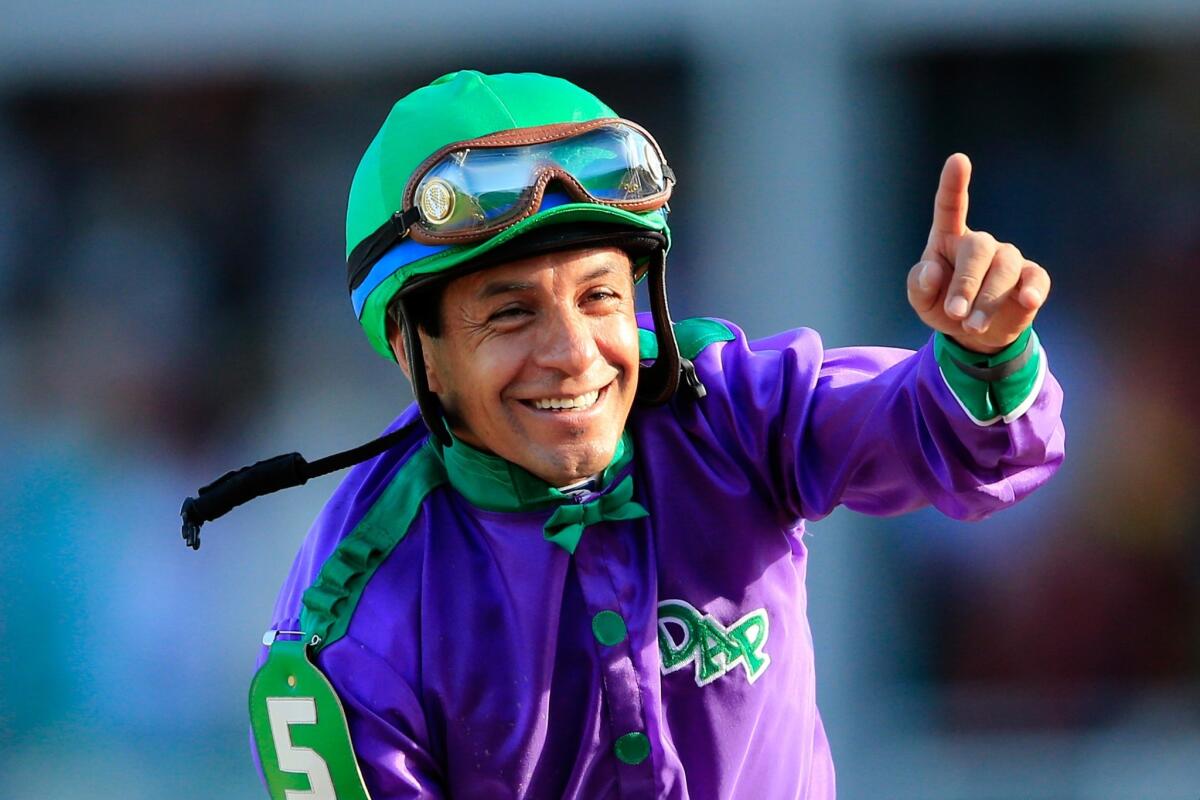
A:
(329, 603)
(299, 724)
(693, 335)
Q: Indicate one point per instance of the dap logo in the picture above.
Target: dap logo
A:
(685, 636)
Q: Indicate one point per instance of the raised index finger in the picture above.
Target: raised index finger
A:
(950, 204)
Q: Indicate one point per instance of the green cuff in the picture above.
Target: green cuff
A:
(991, 388)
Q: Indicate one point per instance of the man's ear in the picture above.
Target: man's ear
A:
(395, 337)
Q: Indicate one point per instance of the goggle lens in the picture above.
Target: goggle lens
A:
(485, 188)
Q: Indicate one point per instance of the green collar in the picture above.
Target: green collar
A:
(491, 483)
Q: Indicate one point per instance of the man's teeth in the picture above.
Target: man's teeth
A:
(582, 401)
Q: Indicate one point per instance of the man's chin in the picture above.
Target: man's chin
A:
(565, 464)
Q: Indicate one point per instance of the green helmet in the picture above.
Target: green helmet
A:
(457, 107)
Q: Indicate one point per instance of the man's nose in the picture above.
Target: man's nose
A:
(568, 344)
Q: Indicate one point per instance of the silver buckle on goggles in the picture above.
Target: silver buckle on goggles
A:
(469, 191)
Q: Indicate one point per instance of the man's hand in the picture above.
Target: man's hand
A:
(967, 285)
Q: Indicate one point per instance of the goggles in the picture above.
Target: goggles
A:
(469, 191)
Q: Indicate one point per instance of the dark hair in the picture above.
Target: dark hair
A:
(426, 306)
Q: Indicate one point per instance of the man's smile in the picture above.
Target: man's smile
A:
(580, 402)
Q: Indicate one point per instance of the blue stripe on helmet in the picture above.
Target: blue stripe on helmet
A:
(410, 251)
(400, 255)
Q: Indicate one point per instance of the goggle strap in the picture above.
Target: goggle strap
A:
(402, 221)
(373, 248)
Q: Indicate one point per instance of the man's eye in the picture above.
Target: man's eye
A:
(508, 314)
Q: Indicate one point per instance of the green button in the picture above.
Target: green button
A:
(609, 628)
(632, 748)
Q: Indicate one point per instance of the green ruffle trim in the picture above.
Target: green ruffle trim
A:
(328, 605)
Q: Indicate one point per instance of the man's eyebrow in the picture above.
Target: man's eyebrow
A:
(599, 272)
(502, 287)
(497, 287)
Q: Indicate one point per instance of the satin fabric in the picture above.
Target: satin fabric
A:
(471, 670)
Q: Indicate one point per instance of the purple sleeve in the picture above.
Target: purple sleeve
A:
(387, 724)
(875, 429)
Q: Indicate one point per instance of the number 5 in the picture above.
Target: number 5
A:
(284, 712)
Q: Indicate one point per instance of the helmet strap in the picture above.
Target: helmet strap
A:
(657, 383)
(427, 401)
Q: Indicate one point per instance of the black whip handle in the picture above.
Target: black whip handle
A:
(281, 472)
(239, 486)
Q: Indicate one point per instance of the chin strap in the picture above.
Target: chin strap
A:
(427, 401)
(658, 382)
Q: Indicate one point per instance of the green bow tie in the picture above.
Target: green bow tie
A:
(566, 524)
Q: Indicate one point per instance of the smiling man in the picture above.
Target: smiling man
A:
(576, 567)
(537, 360)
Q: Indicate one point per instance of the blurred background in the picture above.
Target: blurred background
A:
(173, 304)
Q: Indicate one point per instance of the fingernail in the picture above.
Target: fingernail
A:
(926, 276)
(977, 321)
(1030, 297)
(957, 307)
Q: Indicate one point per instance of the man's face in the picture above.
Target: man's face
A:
(538, 360)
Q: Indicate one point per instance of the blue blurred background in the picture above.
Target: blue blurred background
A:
(173, 305)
